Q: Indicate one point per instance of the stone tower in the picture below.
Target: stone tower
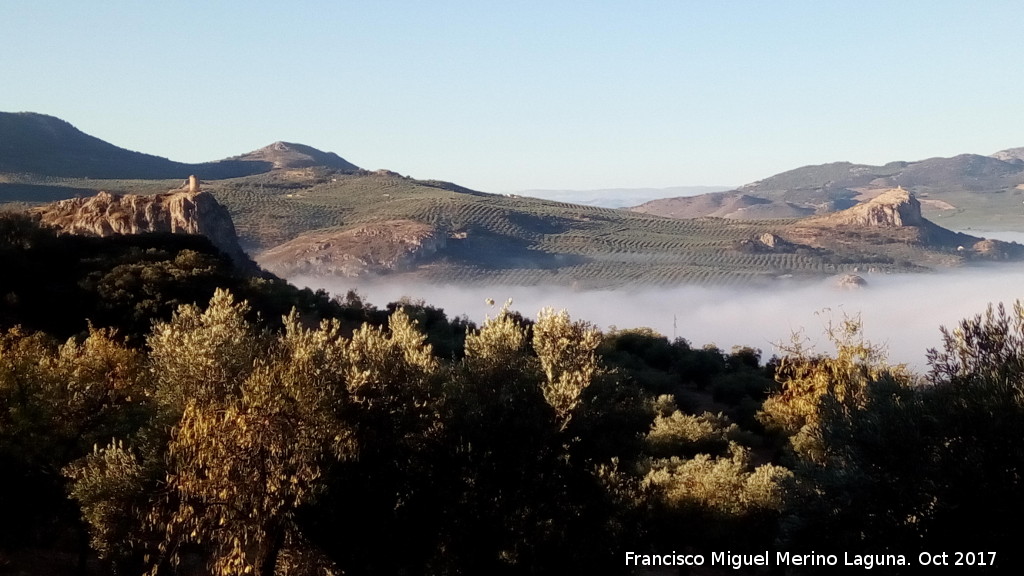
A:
(193, 183)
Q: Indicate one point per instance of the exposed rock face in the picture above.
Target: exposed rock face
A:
(770, 240)
(851, 282)
(892, 209)
(997, 250)
(377, 248)
(1011, 155)
(766, 242)
(184, 212)
(894, 218)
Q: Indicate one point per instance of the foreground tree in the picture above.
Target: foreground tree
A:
(56, 403)
(375, 516)
(566, 351)
(977, 403)
(795, 410)
(702, 488)
(916, 465)
(252, 421)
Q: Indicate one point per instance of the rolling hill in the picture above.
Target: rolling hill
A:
(310, 212)
(619, 197)
(967, 191)
(284, 155)
(47, 146)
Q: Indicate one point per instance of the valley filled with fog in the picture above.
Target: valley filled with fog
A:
(901, 312)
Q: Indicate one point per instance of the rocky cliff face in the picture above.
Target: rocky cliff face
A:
(1011, 155)
(378, 248)
(893, 219)
(890, 209)
(179, 212)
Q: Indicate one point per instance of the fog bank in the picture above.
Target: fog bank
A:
(901, 312)
(1005, 236)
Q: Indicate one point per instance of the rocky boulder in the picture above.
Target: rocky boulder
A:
(766, 242)
(850, 282)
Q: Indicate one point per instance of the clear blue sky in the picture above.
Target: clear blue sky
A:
(501, 96)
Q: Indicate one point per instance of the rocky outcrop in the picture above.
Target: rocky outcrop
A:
(890, 209)
(767, 242)
(995, 249)
(377, 248)
(850, 282)
(892, 221)
(180, 212)
(1011, 155)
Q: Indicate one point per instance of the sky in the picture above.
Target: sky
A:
(515, 95)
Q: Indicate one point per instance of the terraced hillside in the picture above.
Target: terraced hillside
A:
(487, 238)
(299, 210)
(519, 240)
(968, 191)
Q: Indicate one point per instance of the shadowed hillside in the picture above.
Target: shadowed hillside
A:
(48, 146)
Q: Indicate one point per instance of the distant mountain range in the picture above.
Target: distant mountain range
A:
(619, 197)
(968, 191)
(298, 210)
(48, 146)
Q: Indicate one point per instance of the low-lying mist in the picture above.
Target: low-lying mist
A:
(901, 312)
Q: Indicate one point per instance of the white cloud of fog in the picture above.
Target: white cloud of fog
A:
(903, 312)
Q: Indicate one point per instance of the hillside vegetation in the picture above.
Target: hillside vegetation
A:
(487, 238)
(299, 210)
(48, 146)
(962, 192)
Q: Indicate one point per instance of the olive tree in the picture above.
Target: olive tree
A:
(566, 350)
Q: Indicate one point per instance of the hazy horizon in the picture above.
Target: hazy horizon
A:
(620, 197)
